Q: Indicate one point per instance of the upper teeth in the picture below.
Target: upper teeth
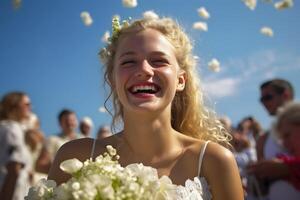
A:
(143, 87)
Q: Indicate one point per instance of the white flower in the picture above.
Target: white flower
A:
(105, 178)
(150, 14)
(129, 3)
(251, 4)
(102, 109)
(71, 166)
(86, 18)
(202, 26)
(105, 37)
(280, 5)
(267, 31)
(203, 13)
(214, 65)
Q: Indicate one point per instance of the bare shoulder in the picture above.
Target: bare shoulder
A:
(80, 149)
(221, 171)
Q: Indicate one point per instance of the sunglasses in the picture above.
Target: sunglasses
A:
(267, 97)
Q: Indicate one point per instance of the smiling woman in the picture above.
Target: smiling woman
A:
(154, 87)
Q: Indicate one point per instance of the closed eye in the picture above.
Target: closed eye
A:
(127, 62)
(160, 62)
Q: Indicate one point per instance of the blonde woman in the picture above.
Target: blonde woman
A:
(156, 96)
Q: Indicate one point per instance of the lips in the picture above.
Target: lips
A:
(144, 88)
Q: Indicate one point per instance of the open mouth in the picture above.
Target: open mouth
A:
(144, 89)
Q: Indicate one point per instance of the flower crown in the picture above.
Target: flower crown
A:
(117, 27)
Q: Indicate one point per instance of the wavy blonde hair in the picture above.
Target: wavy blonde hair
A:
(189, 115)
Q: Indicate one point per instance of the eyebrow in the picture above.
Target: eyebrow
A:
(159, 53)
(126, 54)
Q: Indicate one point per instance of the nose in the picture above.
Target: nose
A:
(144, 69)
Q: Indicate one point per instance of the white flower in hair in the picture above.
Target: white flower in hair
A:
(129, 3)
(150, 14)
(203, 13)
(214, 65)
(202, 26)
(267, 31)
(105, 37)
(102, 109)
(86, 18)
(251, 4)
(284, 4)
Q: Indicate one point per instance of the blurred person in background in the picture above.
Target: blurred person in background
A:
(34, 139)
(275, 93)
(15, 159)
(251, 128)
(68, 123)
(86, 126)
(103, 132)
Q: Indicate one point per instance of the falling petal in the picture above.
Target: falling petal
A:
(202, 26)
(203, 13)
(150, 14)
(251, 4)
(129, 3)
(281, 5)
(86, 18)
(102, 109)
(267, 31)
(105, 37)
(196, 57)
(17, 4)
(214, 65)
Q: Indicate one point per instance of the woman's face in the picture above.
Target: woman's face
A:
(24, 108)
(146, 72)
(290, 135)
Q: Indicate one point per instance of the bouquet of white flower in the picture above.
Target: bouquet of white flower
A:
(105, 179)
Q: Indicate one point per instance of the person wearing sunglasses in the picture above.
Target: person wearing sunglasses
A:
(275, 93)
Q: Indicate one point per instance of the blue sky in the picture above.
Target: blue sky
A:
(46, 51)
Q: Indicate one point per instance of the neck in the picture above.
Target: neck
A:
(150, 137)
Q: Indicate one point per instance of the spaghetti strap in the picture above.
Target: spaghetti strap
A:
(93, 148)
(202, 151)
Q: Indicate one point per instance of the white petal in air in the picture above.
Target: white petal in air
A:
(102, 109)
(251, 4)
(214, 65)
(129, 3)
(202, 26)
(105, 37)
(17, 3)
(280, 5)
(203, 13)
(150, 14)
(86, 18)
(267, 31)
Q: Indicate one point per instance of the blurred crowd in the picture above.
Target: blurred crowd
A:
(268, 160)
(26, 153)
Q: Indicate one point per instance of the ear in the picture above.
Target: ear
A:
(181, 80)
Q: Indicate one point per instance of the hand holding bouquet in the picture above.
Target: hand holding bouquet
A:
(105, 179)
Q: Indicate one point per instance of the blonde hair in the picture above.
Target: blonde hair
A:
(188, 113)
(289, 113)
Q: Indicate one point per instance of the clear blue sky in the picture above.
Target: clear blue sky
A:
(46, 51)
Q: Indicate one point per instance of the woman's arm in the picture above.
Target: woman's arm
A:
(222, 173)
(8, 187)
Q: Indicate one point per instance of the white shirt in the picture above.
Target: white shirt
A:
(13, 149)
